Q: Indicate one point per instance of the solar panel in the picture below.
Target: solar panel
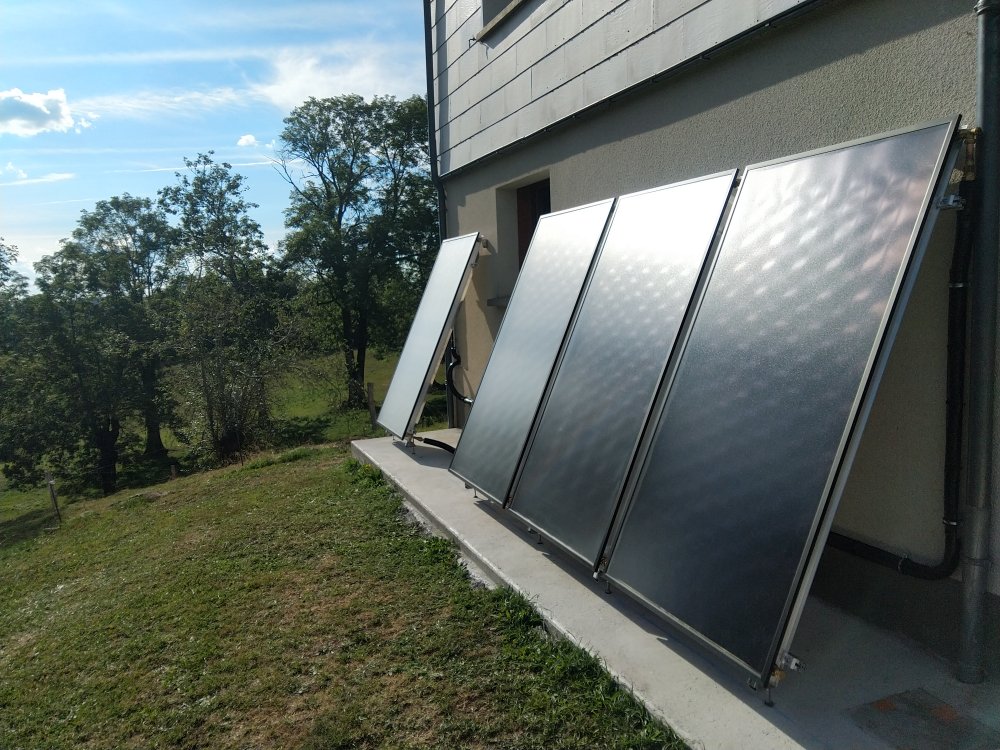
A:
(530, 338)
(428, 334)
(587, 432)
(740, 474)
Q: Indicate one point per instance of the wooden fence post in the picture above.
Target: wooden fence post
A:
(52, 494)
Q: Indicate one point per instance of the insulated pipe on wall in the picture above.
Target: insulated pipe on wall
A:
(432, 119)
(982, 359)
(432, 154)
(954, 411)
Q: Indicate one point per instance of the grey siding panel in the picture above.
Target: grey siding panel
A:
(564, 56)
(530, 49)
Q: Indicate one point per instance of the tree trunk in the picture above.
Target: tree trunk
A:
(106, 441)
(357, 396)
(354, 360)
(151, 411)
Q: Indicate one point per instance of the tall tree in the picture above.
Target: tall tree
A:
(14, 385)
(228, 333)
(73, 372)
(362, 214)
(124, 247)
(216, 233)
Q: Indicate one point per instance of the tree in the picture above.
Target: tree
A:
(91, 350)
(232, 352)
(13, 286)
(20, 429)
(216, 233)
(124, 248)
(362, 214)
(71, 384)
(227, 322)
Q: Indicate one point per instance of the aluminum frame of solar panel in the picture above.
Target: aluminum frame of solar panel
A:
(428, 336)
(727, 513)
(570, 481)
(531, 336)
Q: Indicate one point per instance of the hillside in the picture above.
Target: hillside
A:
(283, 603)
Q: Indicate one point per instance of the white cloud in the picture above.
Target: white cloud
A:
(246, 140)
(30, 114)
(141, 105)
(365, 69)
(51, 177)
(150, 57)
(18, 173)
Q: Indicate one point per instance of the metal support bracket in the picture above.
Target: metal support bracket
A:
(970, 136)
(951, 202)
(789, 662)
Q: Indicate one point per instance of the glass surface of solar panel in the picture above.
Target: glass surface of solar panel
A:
(754, 426)
(530, 337)
(428, 336)
(636, 299)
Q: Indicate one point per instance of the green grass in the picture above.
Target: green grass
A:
(24, 514)
(307, 407)
(284, 603)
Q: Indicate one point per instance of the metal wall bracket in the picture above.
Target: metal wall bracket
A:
(971, 137)
(951, 202)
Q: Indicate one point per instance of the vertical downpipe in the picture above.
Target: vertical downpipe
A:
(983, 361)
(432, 151)
(432, 154)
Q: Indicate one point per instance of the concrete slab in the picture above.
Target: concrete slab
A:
(848, 662)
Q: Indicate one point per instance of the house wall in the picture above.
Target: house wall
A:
(843, 70)
(552, 58)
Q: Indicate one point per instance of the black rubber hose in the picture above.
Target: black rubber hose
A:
(454, 361)
(435, 443)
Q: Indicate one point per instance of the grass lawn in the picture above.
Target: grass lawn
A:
(307, 405)
(285, 603)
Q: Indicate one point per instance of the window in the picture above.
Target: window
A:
(494, 11)
(533, 201)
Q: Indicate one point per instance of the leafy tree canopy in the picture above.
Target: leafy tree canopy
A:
(362, 215)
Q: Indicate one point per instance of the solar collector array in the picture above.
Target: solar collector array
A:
(684, 427)
(757, 419)
(526, 348)
(631, 312)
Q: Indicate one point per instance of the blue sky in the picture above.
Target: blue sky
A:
(103, 98)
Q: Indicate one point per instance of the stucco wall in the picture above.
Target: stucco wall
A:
(844, 70)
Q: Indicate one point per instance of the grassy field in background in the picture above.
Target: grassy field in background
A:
(284, 603)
